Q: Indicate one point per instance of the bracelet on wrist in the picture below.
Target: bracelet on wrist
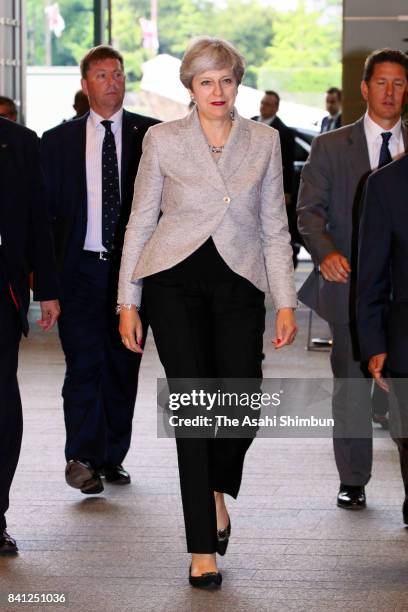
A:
(120, 307)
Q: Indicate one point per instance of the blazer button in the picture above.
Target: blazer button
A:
(227, 199)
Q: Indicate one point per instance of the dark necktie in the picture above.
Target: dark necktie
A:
(385, 155)
(110, 188)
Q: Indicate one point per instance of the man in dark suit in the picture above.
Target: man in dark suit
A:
(328, 208)
(269, 108)
(90, 166)
(382, 292)
(25, 245)
(333, 107)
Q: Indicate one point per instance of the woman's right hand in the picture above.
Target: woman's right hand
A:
(131, 330)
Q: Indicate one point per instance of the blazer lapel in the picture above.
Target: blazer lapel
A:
(358, 152)
(196, 149)
(129, 132)
(405, 136)
(236, 148)
(77, 162)
(7, 173)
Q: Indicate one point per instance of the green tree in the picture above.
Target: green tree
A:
(305, 52)
(248, 25)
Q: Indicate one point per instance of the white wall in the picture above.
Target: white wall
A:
(50, 95)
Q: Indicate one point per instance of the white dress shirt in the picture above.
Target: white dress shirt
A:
(266, 120)
(374, 139)
(95, 133)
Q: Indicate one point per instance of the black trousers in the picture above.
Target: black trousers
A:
(101, 374)
(204, 329)
(11, 417)
(399, 421)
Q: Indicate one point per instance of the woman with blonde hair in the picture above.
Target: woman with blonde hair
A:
(220, 243)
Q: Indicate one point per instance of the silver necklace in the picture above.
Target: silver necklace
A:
(214, 149)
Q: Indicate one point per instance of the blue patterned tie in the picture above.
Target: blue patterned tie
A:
(110, 188)
(385, 155)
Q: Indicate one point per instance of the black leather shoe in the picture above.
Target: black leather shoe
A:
(8, 544)
(351, 497)
(223, 536)
(81, 475)
(208, 580)
(405, 511)
(116, 474)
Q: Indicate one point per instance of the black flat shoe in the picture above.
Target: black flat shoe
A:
(223, 536)
(208, 580)
(351, 497)
(8, 544)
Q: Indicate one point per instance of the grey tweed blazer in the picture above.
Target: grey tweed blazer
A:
(238, 201)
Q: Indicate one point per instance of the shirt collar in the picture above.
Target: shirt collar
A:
(373, 130)
(116, 119)
(267, 120)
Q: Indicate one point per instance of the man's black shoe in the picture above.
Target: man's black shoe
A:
(116, 474)
(405, 511)
(8, 545)
(81, 475)
(351, 497)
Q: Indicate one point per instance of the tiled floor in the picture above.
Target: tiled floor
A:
(291, 548)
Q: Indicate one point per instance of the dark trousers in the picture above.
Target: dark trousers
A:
(101, 375)
(11, 418)
(207, 329)
(351, 405)
(399, 422)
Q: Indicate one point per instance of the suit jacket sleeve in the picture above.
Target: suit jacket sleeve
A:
(41, 243)
(143, 219)
(275, 236)
(313, 202)
(374, 273)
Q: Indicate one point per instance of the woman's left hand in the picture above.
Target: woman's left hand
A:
(285, 327)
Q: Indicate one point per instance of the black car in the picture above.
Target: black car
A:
(303, 142)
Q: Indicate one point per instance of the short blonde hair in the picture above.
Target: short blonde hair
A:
(208, 53)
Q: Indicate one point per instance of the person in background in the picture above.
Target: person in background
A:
(269, 109)
(220, 243)
(333, 107)
(90, 166)
(25, 245)
(8, 109)
(80, 105)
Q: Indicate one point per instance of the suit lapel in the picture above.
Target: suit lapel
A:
(129, 132)
(77, 148)
(196, 150)
(236, 148)
(358, 150)
(4, 153)
(7, 172)
(231, 158)
(405, 136)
